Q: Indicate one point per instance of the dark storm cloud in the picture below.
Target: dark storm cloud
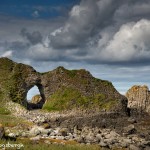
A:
(96, 31)
(106, 31)
(34, 37)
(84, 22)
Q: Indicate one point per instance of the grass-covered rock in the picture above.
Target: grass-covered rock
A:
(62, 89)
(78, 89)
(15, 81)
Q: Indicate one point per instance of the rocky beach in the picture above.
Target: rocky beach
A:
(73, 106)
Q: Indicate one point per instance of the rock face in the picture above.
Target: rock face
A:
(139, 98)
(16, 80)
(61, 88)
(69, 89)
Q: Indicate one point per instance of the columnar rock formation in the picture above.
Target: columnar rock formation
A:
(139, 98)
(60, 88)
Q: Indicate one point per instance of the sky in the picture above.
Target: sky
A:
(109, 38)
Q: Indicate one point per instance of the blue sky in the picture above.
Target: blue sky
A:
(44, 9)
(110, 38)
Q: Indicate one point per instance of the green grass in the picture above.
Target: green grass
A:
(11, 121)
(4, 111)
(8, 120)
(43, 146)
(69, 98)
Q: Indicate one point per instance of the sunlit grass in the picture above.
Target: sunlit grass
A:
(54, 146)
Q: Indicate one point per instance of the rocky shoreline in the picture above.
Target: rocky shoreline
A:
(67, 127)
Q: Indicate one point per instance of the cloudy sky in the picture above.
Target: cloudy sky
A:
(110, 38)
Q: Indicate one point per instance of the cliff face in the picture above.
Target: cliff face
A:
(139, 98)
(61, 89)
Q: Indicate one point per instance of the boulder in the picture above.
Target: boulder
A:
(138, 99)
(36, 99)
(129, 129)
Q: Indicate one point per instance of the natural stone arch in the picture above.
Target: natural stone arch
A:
(38, 104)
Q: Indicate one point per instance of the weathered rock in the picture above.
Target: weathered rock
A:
(2, 132)
(63, 132)
(139, 98)
(70, 89)
(130, 129)
(38, 130)
(133, 147)
(12, 135)
(36, 102)
(66, 89)
(16, 80)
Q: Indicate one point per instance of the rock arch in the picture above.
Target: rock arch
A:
(39, 100)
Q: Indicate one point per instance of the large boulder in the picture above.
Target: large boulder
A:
(139, 98)
(36, 102)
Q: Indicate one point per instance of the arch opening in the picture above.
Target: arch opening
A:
(35, 97)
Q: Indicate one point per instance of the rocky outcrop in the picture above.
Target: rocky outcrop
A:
(16, 80)
(69, 89)
(61, 88)
(139, 98)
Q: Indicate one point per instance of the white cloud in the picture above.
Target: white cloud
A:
(7, 54)
(132, 41)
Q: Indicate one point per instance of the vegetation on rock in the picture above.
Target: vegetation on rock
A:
(61, 88)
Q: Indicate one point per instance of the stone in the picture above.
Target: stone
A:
(98, 137)
(37, 138)
(47, 142)
(129, 129)
(80, 139)
(2, 132)
(46, 125)
(89, 139)
(102, 144)
(139, 98)
(133, 147)
(132, 120)
(63, 131)
(38, 130)
(12, 135)
(17, 79)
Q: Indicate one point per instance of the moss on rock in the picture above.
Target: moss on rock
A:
(61, 88)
